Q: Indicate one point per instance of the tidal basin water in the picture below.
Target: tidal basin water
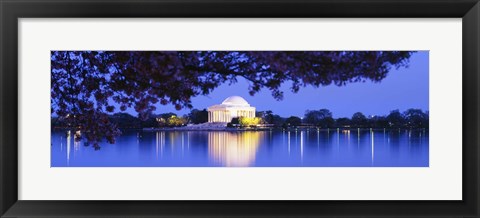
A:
(302, 148)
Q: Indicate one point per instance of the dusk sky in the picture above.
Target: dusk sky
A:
(402, 89)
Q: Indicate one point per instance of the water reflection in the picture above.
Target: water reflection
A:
(159, 143)
(68, 146)
(373, 144)
(314, 148)
(233, 149)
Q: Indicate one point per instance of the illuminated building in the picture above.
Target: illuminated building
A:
(231, 107)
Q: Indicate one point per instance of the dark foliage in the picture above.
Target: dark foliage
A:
(343, 122)
(293, 121)
(88, 85)
(198, 116)
(359, 120)
(125, 120)
(396, 119)
(269, 118)
(235, 120)
(322, 118)
(416, 118)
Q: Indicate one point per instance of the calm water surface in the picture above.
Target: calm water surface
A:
(333, 148)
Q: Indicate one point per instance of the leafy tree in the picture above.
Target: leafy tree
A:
(328, 122)
(198, 116)
(359, 120)
(343, 122)
(270, 118)
(167, 115)
(416, 118)
(89, 85)
(161, 121)
(235, 120)
(150, 121)
(250, 121)
(293, 121)
(174, 121)
(395, 119)
(322, 118)
(379, 122)
(125, 120)
(259, 113)
(277, 120)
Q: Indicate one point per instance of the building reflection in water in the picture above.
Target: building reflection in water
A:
(234, 149)
(159, 143)
(317, 148)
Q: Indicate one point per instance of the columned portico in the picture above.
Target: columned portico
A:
(232, 107)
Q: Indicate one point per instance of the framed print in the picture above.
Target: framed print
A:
(224, 108)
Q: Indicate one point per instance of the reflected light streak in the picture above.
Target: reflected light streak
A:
(409, 139)
(162, 143)
(288, 143)
(76, 144)
(301, 145)
(234, 149)
(338, 140)
(171, 136)
(358, 138)
(188, 141)
(157, 136)
(348, 138)
(296, 139)
(68, 147)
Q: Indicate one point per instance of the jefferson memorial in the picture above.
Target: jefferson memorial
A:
(231, 107)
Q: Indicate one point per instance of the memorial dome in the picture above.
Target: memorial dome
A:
(235, 101)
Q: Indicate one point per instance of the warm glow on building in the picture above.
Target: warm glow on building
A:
(231, 107)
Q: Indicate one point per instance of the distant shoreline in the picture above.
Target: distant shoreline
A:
(230, 129)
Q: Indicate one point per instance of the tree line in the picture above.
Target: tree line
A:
(323, 118)
(411, 118)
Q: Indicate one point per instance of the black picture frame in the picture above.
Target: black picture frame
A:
(12, 10)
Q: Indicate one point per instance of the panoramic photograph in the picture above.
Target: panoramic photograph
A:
(239, 108)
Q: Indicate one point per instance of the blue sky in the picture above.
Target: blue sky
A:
(402, 89)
